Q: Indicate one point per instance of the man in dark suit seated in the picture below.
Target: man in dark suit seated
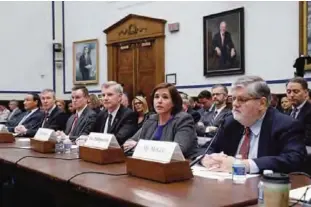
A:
(210, 121)
(115, 119)
(266, 138)
(297, 93)
(30, 120)
(15, 111)
(224, 47)
(205, 99)
(54, 118)
(83, 120)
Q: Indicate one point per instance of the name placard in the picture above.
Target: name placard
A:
(44, 134)
(101, 141)
(3, 129)
(158, 151)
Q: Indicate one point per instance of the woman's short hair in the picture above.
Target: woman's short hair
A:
(176, 98)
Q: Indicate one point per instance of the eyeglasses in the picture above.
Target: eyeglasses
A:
(217, 94)
(243, 100)
(138, 103)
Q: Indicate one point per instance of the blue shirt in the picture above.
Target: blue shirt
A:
(254, 143)
(159, 130)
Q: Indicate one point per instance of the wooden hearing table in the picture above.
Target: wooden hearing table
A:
(125, 190)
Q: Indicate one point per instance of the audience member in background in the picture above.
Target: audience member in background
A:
(31, 119)
(169, 123)
(206, 101)
(125, 100)
(15, 111)
(274, 101)
(187, 108)
(4, 113)
(297, 93)
(61, 105)
(94, 103)
(71, 109)
(115, 119)
(211, 120)
(140, 106)
(266, 138)
(286, 105)
(83, 120)
(194, 103)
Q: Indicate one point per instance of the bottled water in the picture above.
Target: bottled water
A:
(59, 146)
(261, 189)
(67, 145)
(238, 171)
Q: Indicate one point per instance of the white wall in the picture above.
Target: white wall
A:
(26, 54)
(271, 36)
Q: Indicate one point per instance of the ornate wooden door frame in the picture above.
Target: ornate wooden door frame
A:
(134, 28)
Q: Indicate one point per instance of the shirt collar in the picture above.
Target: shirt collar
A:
(219, 110)
(300, 106)
(114, 113)
(256, 127)
(81, 111)
(50, 111)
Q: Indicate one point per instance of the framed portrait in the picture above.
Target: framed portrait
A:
(85, 62)
(305, 30)
(224, 43)
(171, 78)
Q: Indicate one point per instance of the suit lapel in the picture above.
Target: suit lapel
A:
(303, 111)
(69, 123)
(264, 136)
(103, 121)
(116, 119)
(236, 135)
(80, 120)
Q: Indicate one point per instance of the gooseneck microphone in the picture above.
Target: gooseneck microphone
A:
(200, 157)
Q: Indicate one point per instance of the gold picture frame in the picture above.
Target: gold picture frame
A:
(85, 66)
(304, 24)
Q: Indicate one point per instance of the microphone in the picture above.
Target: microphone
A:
(200, 157)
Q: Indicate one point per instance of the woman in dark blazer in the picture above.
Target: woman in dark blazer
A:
(169, 123)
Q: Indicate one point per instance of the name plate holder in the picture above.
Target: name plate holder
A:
(101, 149)
(5, 135)
(158, 161)
(44, 141)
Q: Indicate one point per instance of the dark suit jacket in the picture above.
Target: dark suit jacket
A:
(84, 124)
(304, 117)
(280, 146)
(56, 121)
(15, 114)
(124, 124)
(180, 130)
(228, 43)
(207, 120)
(32, 123)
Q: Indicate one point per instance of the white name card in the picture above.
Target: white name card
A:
(44, 134)
(158, 151)
(101, 141)
(3, 129)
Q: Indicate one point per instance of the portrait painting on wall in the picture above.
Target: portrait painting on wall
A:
(305, 30)
(224, 43)
(85, 62)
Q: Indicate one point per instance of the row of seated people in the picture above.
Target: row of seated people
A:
(265, 137)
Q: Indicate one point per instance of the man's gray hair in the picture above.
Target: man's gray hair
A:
(48, 90)
(116, 86)
(186, 101)
(255, 85)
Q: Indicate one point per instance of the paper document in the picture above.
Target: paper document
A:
(200, 171)
(298, 194)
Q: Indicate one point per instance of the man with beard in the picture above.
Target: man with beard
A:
(263, 136)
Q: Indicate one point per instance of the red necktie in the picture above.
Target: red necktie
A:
(244, 149)
(74, 123)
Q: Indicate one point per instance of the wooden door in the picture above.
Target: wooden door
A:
(125, 68)
(145, 73)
